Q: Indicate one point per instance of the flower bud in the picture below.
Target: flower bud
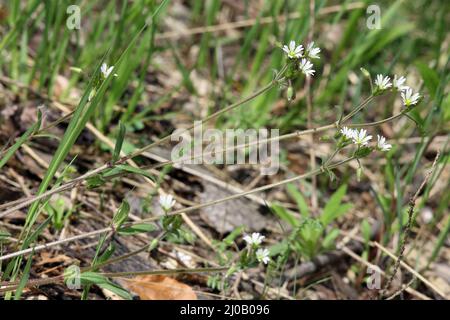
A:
(290, 93)
(153, 244)
(365, 73)
(76, 69)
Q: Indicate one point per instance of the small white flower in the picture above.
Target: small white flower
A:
(382, 145)
(383, 82)
(293, 51)
(409, 98)
(398, 83)
(106, 71)
(361, 138)
(306, 67)
(255, 239)
(166, 202)
(348, 133)
(262, 255)
(312, 52)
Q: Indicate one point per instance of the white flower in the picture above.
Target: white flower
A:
(383, 82)
(305, 67)
(166, 202)
(262, 255)
(398, 83)
(409, 98)
(361, 138)
(382, 145)
(106, 71)
(254, 239)
(293, 51)
(312, 52)
(348, 133)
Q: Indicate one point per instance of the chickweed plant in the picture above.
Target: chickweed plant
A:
(242, 249)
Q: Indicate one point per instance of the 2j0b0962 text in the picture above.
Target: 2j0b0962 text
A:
(230, 310)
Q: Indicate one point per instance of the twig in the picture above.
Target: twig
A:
(402, 289)
(185, 210)
(56, 279)
(412, 203)
(410, 269)
(24, 202)
(252, 22)
(143, 149)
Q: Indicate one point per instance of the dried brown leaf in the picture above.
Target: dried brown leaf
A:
(159, 287)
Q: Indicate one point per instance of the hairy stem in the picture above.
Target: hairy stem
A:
(24, 202)
(183, 210)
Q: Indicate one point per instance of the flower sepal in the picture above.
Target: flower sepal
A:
(382, 84)
(172, 223)
(292, 71)
(247, 259)
(362, 152)
(290, 93)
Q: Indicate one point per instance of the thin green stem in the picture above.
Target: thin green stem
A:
(335, 152)
(376, 123)
(21, 203)
(142, 150)
(358, 108)
(125, 256)
(206, 119)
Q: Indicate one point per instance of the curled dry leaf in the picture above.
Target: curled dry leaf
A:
(159, 287)
(48, 258)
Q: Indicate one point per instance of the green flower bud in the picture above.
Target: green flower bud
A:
(290, 93)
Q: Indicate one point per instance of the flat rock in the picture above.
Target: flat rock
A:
(225, 217)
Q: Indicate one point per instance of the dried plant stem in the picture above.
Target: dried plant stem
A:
(252, 22)
(291, 135)
(39, 282)
(206, 119)
(408, 268)
(157, 272)
(358, 108)
(139, 151)
(24, 202)
(402, 289)
(185, 210)
(412, 203)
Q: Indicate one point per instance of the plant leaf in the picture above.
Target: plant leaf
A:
(331, 208)
(299, 199)
(328, 241)
(121, 215)
(124, 167)
(119, 142)
(430, 77)
(25, 276)
(285, 215)
(90, 278)
(137, 228)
